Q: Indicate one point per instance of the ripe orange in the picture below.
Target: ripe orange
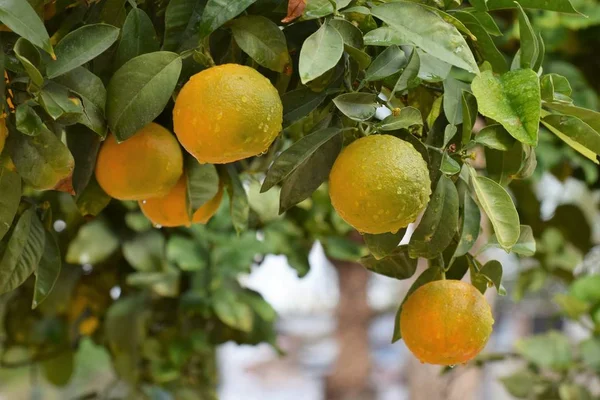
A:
(227, 113)
(446, 322)
(146, 165)
(171, 210)
(379, 184)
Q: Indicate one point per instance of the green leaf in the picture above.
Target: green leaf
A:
(484, 43)
(351, 34)
(385, 36)
(492, 271)
(22, 19)
(590, 117)
(92, 200)
(396, 265)
(469, 111)
(556, 87)
(186, 253)
(362, 58)
(521, 384)
(320, 52)
(525, 245)
(453, 90)
(60, 103)
(10, 187)
(30, 58)
(139, 91)
(390, 61)
(499, 208)
(84, 145)
(449, 165)
(530, 50)
(409, 77)
(513, 100)
(504, 166)
(145, 252)
(310, 174)
(94, 243)
(299, 103)
(429, 275)
(357, 106)
(28, 121)
(232, 311)
(238, 200)
(563, 6)
(92, 93)
(202, 183)
(182, 18)
(113, 12)
(262, 40)
(576, 133)
(549, 350)
(470, 225)
(23, 251)
(217, 12)
(41, 160)
(137, 37)
(495, 137)
(288, 161)
(585, 288)
(408, 116)
(266, 205)
(47, 271)
(426, 30)
(439, 223)
(317, 9)
(571, 306)
(486, 21)
(383, 244)
(80, 46)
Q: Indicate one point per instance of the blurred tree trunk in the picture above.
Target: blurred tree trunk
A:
(350, 377)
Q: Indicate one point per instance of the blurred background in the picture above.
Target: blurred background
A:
(335, 324)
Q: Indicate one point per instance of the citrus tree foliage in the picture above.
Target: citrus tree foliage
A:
(424, 71)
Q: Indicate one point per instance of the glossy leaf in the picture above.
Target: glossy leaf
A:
(59, 103)
(47, 271)
(525, 246)
(238, 200)
(495, 137)
(28, 121)
(563, 6)
(139, 91)
(23, 251)
(10, 187)
(469, 111)
(182, 18)
(30, 58)
(137, 37)
(320, 52)
(408, 116)
(470, 225)
(385, 36)
(409, 77)
(590, 117)
(576, 134)
(351, 34)
(309, 175)
(22, 19)
(439, 223)
(217, 12)
(390, 61)
(504, 166)
(383, 244)
(262, 40)
(202, 183)
(396, 265)
(499, 208)
(530, 49)
(357, 106)
(453, 92)
(299, 103)
(295, 155)
(426, 30)
(80, 46)
(513, 100)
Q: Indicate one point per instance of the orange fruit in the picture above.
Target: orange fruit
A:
(171, 210)
(227, 113)
(146, 165)
(446, 322)
(379, 184)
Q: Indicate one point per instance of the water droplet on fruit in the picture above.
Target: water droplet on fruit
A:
(158, 226)
(144, 201)
(244, 99)
(451, 366)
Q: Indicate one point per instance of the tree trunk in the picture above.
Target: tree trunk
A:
(350, 377)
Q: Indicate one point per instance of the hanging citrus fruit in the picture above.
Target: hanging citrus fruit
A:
(227, 113)
(171, 210)
(379, 184)
(146, 165)
(446, 322)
